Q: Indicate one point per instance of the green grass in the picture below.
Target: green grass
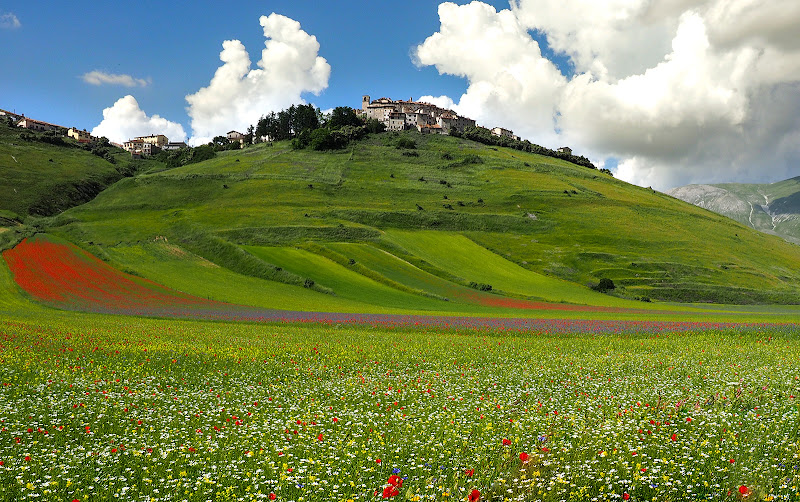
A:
(344, 282)
(396, 269)
(179, 269)
(555, 227)
(117, 407)
(44, 179)
(473, 263)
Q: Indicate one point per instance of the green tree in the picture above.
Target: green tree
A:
(220, 140)
(321, 139)
(344, 116)
(306, 117)
(374, 126)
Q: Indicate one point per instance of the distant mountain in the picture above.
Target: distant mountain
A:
(773, 208)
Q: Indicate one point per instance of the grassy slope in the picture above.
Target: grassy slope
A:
(554, 219)
(194, 275)
(40, 178)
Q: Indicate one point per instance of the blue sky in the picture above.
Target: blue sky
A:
(176, 49)
(663, 92)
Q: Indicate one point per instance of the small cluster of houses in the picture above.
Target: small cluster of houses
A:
(141, 146)
(425, 117)
(145, 146)
(20, 120)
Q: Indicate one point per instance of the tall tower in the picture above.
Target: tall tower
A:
(364, 103)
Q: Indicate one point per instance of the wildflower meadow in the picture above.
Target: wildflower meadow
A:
(99, 407)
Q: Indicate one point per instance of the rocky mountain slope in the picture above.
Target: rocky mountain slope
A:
(771, 208)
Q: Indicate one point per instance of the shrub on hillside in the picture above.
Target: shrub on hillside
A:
(605, 285)
(480, 286)
(187, 155)
(405, 142)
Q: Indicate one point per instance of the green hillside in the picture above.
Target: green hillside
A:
(430, 228)
(773, 208)
(42, 175)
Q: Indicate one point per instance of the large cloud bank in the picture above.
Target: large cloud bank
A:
(679, 91)
(239, 95)
(125, 120)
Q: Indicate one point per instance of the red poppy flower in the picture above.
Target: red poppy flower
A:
(731, 460)
(524, 456)
(474, 496)
(395, 480)
(272, 496)
(390, 491)
(469, 472)
(319, 438)
(506, 442)
(626, 496)
(674, 437)
(743, 490)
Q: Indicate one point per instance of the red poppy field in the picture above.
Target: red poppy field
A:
(59, 274)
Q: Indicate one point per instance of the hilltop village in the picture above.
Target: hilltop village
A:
(392, 115)
(395, 115)
(424, 117)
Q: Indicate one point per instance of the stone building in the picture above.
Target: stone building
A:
(504, 133)
(146, 145)
(37, 125)
(81, 136)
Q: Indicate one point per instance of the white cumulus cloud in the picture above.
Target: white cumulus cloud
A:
(125, 120)
(441, 101)
(238, 95)
(98, 77)
(678, 91)
(503, 64)
(9, 21)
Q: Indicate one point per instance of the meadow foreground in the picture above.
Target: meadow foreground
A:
(103, 407)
